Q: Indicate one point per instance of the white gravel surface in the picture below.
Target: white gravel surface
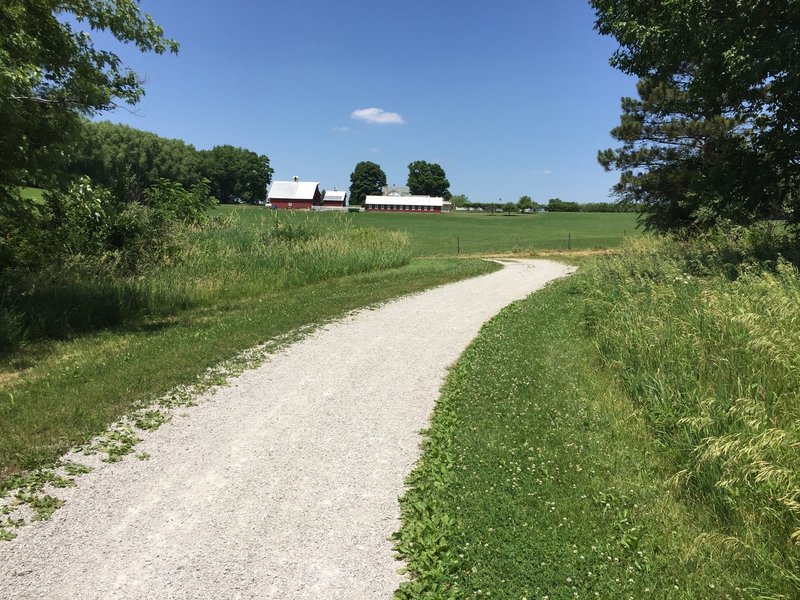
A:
(284, 483)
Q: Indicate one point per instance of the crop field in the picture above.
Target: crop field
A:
(477, 233)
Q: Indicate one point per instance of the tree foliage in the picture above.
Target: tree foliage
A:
(367, 179)
(428, 179)
(715, 132)
(459, 201)
(558, 205)
(688, 170)
(51, 72)
(236, 173)
(526, 203)
(128, 160)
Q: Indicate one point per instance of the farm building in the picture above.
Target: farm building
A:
(404, 203)
(295, 194)
(395, 190)
(335, 199)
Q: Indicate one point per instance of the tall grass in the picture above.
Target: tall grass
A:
(709, 344)
(215, 264)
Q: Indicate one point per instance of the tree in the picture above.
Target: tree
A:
(558, 205)
(525, 203)
(459, 200)
(719, 108)
(236, 173)
(128, 160)
(50, 73)
(684, 170)
(428, 179)
(367, 179)
(509, 208)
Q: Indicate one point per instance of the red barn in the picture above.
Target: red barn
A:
(335, 199)
(295, 194)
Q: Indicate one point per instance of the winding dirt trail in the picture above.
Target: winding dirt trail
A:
(283, 484)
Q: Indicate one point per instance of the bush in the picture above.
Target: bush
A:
(66, 259)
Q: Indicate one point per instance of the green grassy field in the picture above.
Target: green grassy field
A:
(476, 233)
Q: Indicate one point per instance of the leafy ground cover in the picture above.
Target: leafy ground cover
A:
(481, 233)
(540, 478)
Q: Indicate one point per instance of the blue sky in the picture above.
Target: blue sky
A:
(511, 97)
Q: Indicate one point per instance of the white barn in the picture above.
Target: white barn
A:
(404, 203)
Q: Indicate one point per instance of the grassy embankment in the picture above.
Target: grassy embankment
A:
(234, 287)
(640, 441)
(483, 233)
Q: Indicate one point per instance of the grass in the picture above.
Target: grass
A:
(708, 347)
(481, 234)
(541, 479)
(59, 394)
(214, 265)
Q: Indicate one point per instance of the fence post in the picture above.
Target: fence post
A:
(458, 246)
(569, 241)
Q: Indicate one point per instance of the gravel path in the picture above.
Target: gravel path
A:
(283, 484)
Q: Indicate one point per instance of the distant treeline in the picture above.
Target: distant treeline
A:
(128, 161)
(526, 204)
(556, 205)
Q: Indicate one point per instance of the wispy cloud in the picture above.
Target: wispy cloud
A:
(374, 150)
(377, 115)
(342, 130)
(547, 172)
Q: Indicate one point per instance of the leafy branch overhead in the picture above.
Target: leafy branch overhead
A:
(51, 72)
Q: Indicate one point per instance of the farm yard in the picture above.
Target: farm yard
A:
(588, 390)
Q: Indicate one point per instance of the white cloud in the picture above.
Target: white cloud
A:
(547, 172)
(342, 130)
(374, 150)
(376, 115)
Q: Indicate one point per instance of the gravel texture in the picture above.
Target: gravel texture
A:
(282, 484)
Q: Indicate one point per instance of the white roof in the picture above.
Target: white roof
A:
(404, 200)
(293, 190)
(335, 196)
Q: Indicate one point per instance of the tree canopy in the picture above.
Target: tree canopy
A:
(367, 179)
(128, 160)
(715, 132)
(526, 203)
(51, 72)
(236, 173)
(428, 179)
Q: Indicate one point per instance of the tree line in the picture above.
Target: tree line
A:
(527, 204)
(128, 161)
